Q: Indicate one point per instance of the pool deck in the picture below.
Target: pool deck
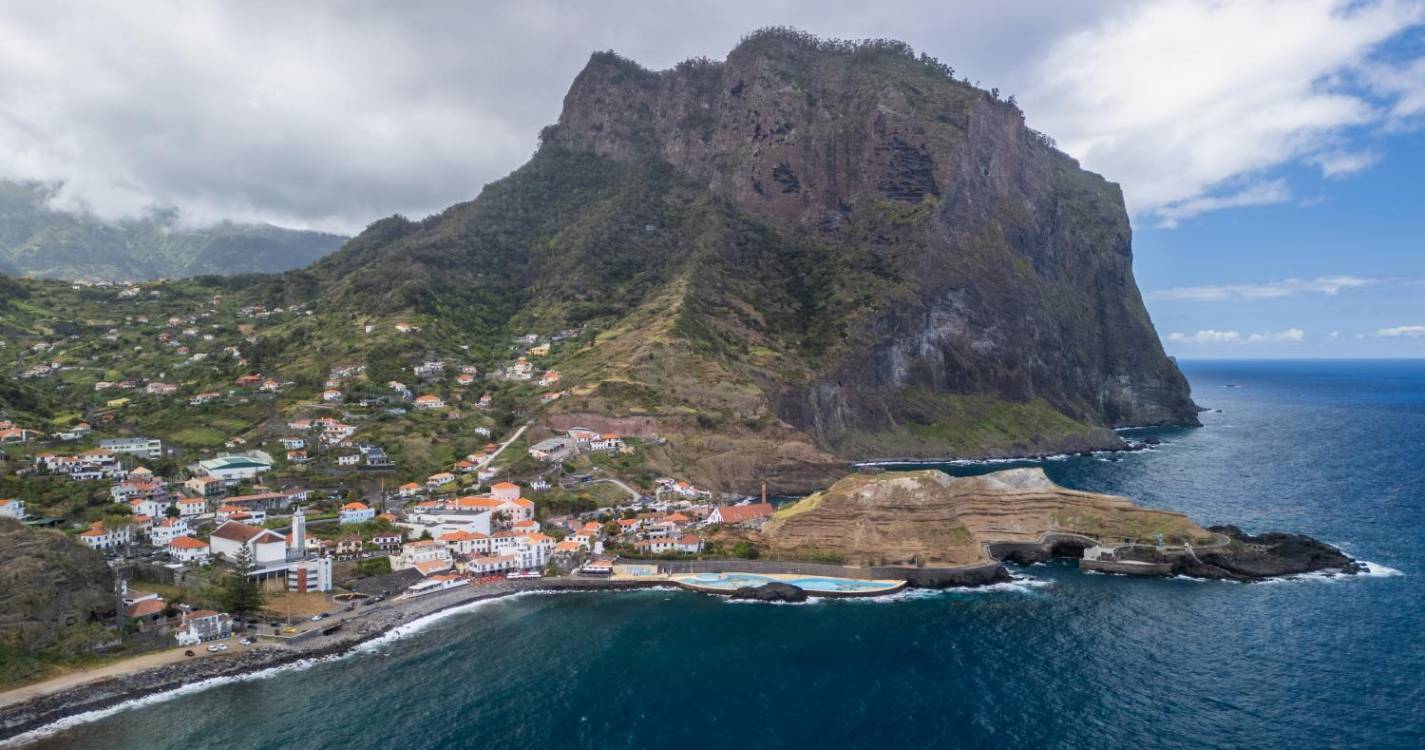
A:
(691, 582)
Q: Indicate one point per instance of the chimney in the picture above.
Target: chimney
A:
(764, 490)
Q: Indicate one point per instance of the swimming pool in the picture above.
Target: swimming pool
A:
(810, 584)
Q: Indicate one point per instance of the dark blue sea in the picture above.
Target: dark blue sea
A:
(1057, 660)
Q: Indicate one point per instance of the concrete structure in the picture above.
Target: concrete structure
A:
(314, 574)
(12, 508)
(134, 446)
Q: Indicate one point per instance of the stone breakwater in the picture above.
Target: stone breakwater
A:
(43, 710)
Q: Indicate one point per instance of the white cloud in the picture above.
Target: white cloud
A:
(1260, 194)
(1398, 331)
(1210, 336)
(1329, 285)
(1179, 98)
(1344, 163)
(1290, 336)
(328, 115)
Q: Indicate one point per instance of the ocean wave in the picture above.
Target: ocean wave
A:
(397, 633)
(87, 717)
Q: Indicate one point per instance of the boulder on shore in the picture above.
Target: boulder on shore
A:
(773, 591)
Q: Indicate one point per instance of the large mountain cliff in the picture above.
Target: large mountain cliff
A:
(813, 251)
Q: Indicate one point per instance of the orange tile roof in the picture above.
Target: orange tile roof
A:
(188, 542)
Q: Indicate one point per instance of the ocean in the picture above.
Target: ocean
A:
(1057, 659)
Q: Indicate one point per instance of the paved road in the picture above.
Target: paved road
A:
(486, 460)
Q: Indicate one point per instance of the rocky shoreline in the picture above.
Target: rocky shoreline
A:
(1243, 558)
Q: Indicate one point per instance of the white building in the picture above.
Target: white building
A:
(167, 530)
(102, 538)
(266, 545)
(203, 625)
(314, 574)
(426, 556)
(233, 469)
(134, 446)
(356, 513)
(189, 549)
(13, 508)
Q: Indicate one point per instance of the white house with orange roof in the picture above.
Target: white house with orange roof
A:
(606, 442)
(12, 508)
(438, 479)
(356, 513)
(429, 401)
(427, 556)
(100, 537)
(466, 543)
(188, 549)
(191, 506)
(505, 491)
(409, 489)
(165, 531)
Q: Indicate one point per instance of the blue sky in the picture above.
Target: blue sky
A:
(1270, 151)
(1336, 268)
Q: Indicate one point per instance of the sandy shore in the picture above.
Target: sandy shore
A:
(34, 706)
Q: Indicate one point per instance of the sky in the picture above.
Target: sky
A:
(1271, 152)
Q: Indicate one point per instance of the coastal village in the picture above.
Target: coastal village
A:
(185, 463)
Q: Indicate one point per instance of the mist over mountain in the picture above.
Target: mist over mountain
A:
(37, 240)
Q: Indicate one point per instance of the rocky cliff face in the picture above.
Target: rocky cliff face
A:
(1007, 268)
(930, 518)
(810, 253)
(48, 582)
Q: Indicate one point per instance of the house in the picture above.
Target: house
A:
(296, 457)
(464, 378)
(102, 538)
(487, 473)
(436, 480)
(204, 625)
(160, 389)
(386, 540)
(165, 531)
(17, 435)
(350, 544)
(404, 327)
(429, 368)
(466, 542)
(352, 459)
(249, 381)
(12, 508)
(356, 513)
(505, 491)
(191, 506)
(409, 489)
(203, 398)
(426, 556)
(293, 443)
(429, 402)
(607, 442)
(204, 486)
(265, 545)
(135, 446)
(492, 564)
(187, 549)
(751, 515)
(330, 395)
(549, 378)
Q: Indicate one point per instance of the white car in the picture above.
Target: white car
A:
(216, 647)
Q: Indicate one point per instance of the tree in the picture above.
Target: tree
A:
(239, 594)
(171, 511)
